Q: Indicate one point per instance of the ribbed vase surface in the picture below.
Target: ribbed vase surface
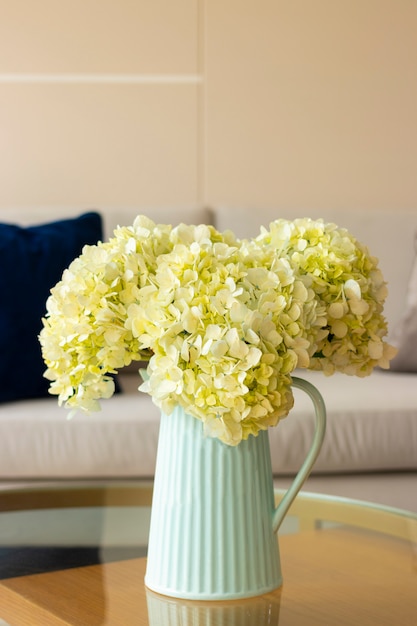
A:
(213, 523)
(211, 533)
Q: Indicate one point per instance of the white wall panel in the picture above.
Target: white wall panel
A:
(99, 103)
(311, 104)
(95, 145)
(140, 36)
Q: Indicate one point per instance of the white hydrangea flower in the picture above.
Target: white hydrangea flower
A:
(222, 322)
(350, 293)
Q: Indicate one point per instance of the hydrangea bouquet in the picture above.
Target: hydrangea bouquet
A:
(222, 322)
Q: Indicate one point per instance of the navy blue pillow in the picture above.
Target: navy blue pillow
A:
(32, 260)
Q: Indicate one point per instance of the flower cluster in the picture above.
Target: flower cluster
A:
(222, 322)
(350, 293)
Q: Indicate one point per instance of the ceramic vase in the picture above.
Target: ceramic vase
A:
(214, 521)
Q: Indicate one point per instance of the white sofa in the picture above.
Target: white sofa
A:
(370, 448)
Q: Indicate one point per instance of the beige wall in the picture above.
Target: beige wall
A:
(99, 103)
(312, 103)
(301, 104)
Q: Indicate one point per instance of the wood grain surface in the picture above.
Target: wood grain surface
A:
(333, 577)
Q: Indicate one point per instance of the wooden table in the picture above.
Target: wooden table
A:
(360, 569)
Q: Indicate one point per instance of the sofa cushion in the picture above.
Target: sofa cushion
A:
(367, 431)
(405, 333)
(371, 424)
(32, 261)
(38, 441)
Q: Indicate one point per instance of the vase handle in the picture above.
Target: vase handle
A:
(304, 471)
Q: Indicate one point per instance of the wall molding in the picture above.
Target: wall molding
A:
(111, 79)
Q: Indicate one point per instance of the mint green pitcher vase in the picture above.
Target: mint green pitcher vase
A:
(214, 521)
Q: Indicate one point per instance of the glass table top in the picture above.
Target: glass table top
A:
(342, 560)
